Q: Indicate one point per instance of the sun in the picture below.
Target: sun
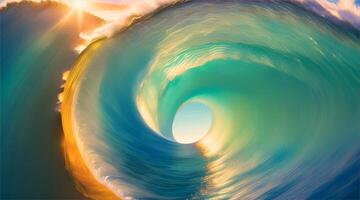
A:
(79, 5)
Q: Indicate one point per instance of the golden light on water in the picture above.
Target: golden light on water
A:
(86, 182)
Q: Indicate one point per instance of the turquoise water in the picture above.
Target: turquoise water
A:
(275, 88)
(34, 54)
(283, 86)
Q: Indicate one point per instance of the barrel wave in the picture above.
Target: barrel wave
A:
(282, 85)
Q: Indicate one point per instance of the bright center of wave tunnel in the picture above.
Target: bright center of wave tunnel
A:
(191, 123)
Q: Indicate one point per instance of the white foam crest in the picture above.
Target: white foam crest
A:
(345, 10)
(136, 9)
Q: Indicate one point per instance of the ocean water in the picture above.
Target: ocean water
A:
(282, 84)
(35, 51)
(265, 94)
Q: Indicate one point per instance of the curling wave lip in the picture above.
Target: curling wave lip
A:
(254, 69)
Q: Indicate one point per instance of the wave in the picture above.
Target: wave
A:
(344, 10)
(123, 14)
(282, 84)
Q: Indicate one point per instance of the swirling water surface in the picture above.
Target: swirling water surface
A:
(282, 84)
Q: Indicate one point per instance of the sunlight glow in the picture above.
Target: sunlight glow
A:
(79, 5)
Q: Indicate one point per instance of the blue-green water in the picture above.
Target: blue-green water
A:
(34, 54)
(282, 83)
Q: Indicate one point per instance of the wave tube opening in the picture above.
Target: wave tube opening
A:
(191, 123)
(282, 85)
